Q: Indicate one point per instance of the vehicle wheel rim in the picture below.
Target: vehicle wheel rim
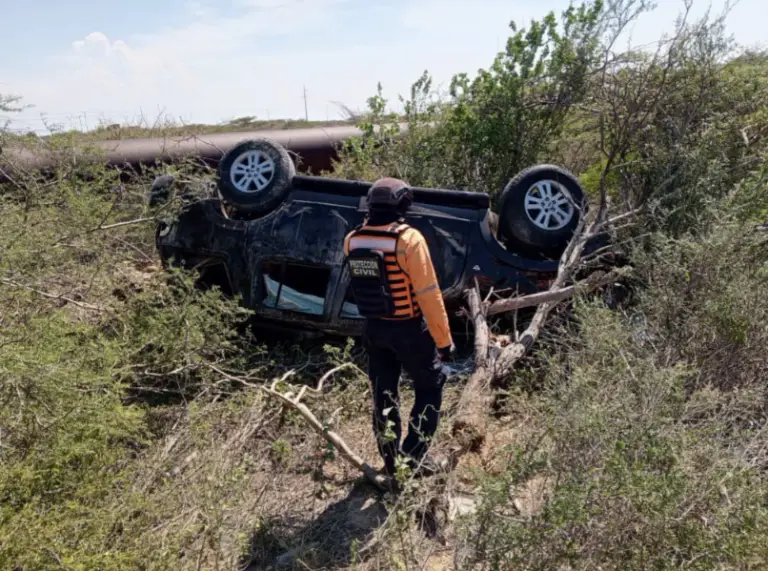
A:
(548, 205)
(252, 171)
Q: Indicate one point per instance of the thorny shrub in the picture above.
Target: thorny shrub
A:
(637, 471)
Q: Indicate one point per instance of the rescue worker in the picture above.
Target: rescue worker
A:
(406, 327)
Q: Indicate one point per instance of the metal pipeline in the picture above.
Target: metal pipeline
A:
(315, 147)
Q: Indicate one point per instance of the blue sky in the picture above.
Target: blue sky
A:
(79, 62)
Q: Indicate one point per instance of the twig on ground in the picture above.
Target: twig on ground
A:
(295, 403)
(124, 223)
(330, 436)
(319, 387)
(81, 304)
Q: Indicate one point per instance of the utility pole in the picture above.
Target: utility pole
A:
(306, 113)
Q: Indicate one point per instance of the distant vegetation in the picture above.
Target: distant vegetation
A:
(133, 434)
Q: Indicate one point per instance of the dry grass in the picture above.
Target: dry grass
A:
(299, 508)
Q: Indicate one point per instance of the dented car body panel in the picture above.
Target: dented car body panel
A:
(289, 268)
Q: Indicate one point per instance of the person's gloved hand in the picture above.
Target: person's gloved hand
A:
(446, 352)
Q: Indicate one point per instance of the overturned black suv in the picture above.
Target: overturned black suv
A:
(276, 237)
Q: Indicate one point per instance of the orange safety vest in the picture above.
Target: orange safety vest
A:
(382, 288)
(392, 277)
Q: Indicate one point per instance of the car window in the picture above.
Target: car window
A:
(294, 287)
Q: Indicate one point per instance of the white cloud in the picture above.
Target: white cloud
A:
(204, 71)
(257, 61)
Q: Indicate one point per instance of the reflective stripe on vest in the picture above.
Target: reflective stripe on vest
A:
(399, 284)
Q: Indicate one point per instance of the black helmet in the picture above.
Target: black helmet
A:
(390, 194)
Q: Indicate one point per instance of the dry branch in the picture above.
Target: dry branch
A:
(469, 425)
(592, 282)
(569, 262)
(319, 387)
(124, 223)
(295, 403)
(330, 436)
(79, 304)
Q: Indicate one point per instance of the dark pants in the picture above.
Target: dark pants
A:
(393, 346)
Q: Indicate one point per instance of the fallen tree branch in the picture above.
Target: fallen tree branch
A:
(592, 282)
(79, 304)
(102, 227)
(124, 223)
(568, 264)
(319, 387)
(626, 215)
(295, 403)
(329, 435)
(469, 425)
(233, 378)
(302, 392)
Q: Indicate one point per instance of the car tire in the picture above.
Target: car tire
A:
(540, 209)
(255, 176)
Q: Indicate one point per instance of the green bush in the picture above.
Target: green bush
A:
(494, 125)
(640, 471)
